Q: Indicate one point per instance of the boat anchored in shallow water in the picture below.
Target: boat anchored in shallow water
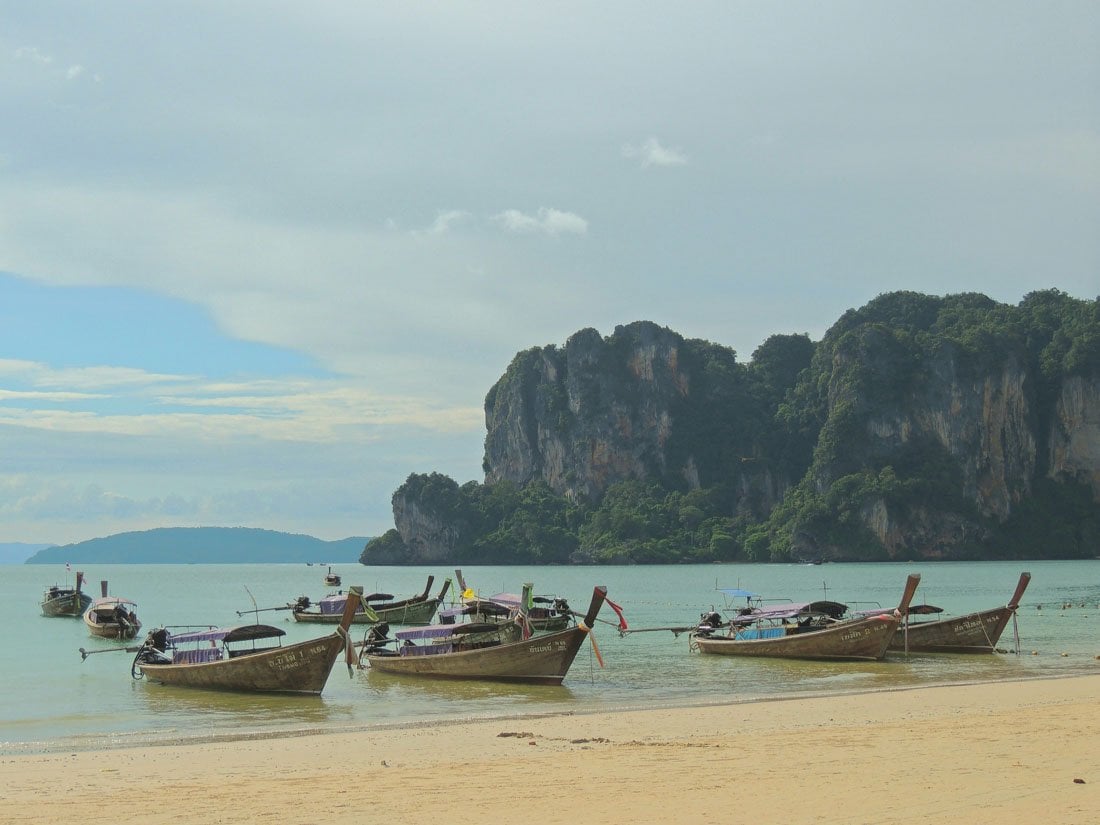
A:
(112, 617)
(472, 654)
(373, 608)
(243, 658)
(806, 630)
(976, 632)
(66, 601)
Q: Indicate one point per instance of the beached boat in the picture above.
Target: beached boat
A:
(807, 630)
(66, 601)
(245, 658)
(112, 617)
(973, 633)
(377, 607)
(542, 659)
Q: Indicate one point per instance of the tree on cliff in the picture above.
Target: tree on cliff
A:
(919, 426)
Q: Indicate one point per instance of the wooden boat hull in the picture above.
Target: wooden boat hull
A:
(973, 633)
(418, 613)
(70, 605)
(301, 668)
(858, 639)
(541, 660)
(112, 630)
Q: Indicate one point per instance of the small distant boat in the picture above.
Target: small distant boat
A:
(332, 579)
(973, 633)
(808, 630)
(66, 601)
(443, 653)
(377, 607)
(243, 658)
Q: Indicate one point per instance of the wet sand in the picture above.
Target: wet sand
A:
(986, 753)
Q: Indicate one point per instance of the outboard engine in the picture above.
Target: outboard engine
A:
(152, 652)
(711, 619)
(302, 603)
(378, 634)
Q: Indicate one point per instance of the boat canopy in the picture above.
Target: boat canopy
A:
(111, 601)
(241, 633)
(797, 610)
(379, 597)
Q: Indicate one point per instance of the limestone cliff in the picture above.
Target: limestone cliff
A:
(918, 427)
(636, 405)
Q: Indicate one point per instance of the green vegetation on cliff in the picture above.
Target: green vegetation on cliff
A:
(919, 426)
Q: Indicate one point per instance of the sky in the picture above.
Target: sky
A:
(260, 261)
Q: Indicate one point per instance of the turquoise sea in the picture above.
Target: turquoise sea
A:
(54, 701)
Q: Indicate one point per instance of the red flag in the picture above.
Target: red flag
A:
(618, 612)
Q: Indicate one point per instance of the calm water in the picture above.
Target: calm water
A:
(53, 700)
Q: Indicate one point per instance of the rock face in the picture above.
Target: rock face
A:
(1074, 443)
(989, 430)
(430, 527)
(587, 416)
(628, 407)
(923, 427)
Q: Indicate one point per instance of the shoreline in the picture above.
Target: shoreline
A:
(117, 741)
(977, 753)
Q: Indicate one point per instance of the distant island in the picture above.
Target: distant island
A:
(203, 545)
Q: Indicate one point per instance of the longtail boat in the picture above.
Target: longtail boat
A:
(243, 658)
(377, 607)
(112, 617)
(808, 630)
(543, 659)
(973, 633)
(543, 613)
(66, 601)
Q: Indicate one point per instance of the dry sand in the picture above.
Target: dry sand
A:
(991, 753)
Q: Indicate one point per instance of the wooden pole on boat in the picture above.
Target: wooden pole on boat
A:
(84, 654)
(443, 591)
(599, 593)
(903, 608)
(1021, 586)
(351, 605)
(1014, 603)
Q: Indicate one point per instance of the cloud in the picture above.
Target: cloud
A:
(445, 221)
(548, 221)
(652, 153)
(33, 55)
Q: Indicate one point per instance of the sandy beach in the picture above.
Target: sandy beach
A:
(1024, 751)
